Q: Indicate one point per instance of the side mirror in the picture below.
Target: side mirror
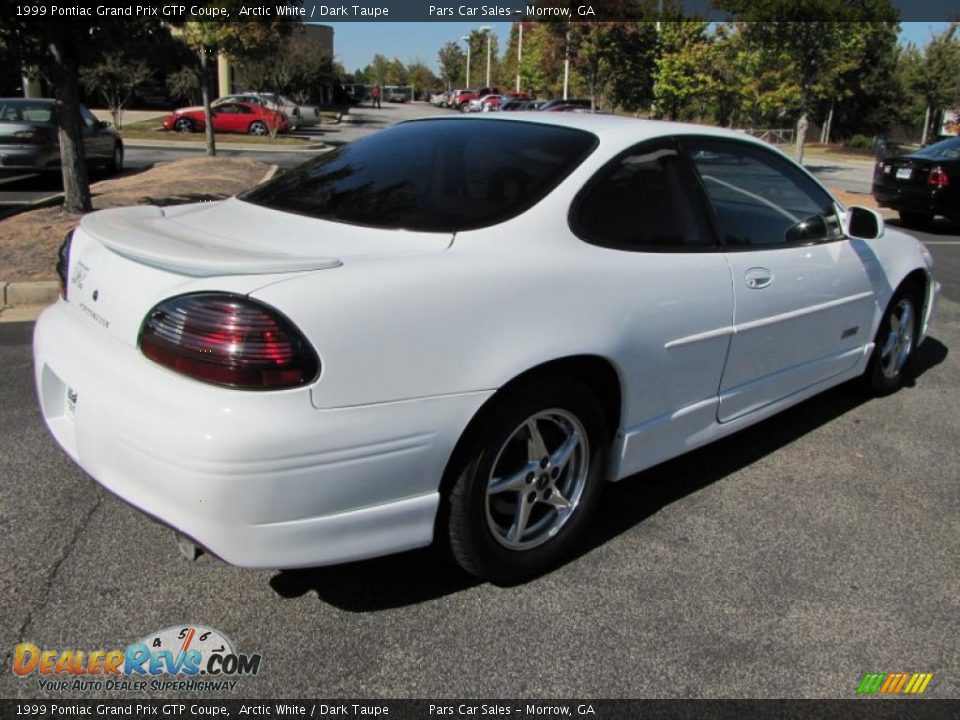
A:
(862, 223)
(104, 124)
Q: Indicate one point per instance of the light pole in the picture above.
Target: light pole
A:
(519, 54)
(485, 29)
(566, 64)
(466, 39)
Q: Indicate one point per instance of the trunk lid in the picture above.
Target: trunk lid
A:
(905, 170)
(124, 261)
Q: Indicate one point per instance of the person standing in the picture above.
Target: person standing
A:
(375, 96)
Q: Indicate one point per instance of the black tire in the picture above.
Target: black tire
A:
(115, 164)
(475, 518)
(890, 365)
(259, 128)
(915, 219)
(184, 125)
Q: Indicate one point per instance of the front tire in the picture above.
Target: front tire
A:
(183, 125)
(895, 343)
(259, 128)
(115, 166)
(528, 481)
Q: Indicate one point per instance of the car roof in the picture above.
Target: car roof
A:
(612, 129)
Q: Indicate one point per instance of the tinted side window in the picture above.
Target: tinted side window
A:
(759, 198)
(89, 118)
(646, 199)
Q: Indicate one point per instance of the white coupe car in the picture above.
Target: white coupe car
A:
(458, 330)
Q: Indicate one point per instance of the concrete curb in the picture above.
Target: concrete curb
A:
(43, 292)
(174, 145)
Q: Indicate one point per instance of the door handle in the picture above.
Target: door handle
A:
(758, 278)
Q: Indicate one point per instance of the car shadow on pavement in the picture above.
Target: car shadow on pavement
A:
(631, 501)
(383, 583)
(937, 226)
(427, 574)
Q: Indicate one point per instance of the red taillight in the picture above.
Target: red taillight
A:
(938, 178)
(228, 340)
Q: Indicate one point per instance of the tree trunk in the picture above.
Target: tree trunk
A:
(76, 184)
(802, 124)
(926, 126)
(207, 112)
(829, 128)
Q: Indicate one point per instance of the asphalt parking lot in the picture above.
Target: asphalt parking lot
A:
(784, 562)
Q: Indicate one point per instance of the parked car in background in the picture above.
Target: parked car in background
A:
(229, 117)
(571, 102)
(459, 329)
(509, 105)
(484, 104)
(398, 93)
(461, 97)
(292, 111)
(29, 139)
(921, 184)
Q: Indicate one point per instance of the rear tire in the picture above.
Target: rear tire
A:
(115, 166)
(528, 480)
(915, 219)
(895, 343)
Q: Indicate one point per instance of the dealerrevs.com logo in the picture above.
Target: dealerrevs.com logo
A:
(894, 683)
(181, 658)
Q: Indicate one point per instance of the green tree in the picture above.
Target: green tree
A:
(184, 84)
(376, 71)
(541, 69)
(810, 42)
(421, 77)
(685, 82)
(933, 76)
(115, 78)
(452, 63)
(632, 65)
(591, 50)
(396, 73)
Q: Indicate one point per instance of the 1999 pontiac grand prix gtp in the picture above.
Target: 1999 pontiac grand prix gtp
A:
(459, 329)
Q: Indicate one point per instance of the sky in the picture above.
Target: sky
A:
(355, 43)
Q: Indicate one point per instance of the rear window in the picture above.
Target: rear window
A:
(435, 175)
(27, 111)
(943, 150)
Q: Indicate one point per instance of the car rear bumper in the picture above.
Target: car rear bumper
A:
(919, 199)
(28, 157)
(261, 479)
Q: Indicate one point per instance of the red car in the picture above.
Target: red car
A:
(235, 117)
(492, 102)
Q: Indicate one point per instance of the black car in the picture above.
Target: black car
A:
(922, 184)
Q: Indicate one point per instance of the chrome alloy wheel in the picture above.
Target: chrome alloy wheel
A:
(537, 479)
(899, 341)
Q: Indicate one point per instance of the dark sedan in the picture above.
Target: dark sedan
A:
(29, 141)
(922, 184)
